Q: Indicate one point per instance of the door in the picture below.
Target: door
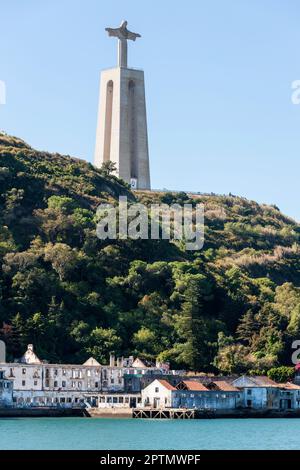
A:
(132, 402)
(156, 402)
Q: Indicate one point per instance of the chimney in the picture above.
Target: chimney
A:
(131, 361)
(112, 360)
(2, 352)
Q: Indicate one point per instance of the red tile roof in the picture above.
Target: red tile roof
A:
(290, 386)
(225, 386)
(166, 384)
(194, 386)
(264, 381)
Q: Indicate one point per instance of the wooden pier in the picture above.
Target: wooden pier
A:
(163, 413)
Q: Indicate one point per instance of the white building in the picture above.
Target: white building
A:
(38, 383)
(159, 394)
(191, 394)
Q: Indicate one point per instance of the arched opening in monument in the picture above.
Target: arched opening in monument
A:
(108, 120)
(132, 130)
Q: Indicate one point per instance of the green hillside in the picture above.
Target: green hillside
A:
(232, 307)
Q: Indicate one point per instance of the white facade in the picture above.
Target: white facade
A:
(159, 394)
(119, 400)
(37, 383)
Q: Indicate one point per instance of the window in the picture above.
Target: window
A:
(55, 383)
(55, 372)
(63, 384)
(249, 392)
(112, 381)
(79, 384)
(88, 373)
(23, 383)
(96, 384)
(156, 389)
(35, 383)
(115, 399)
(47, 383)
(23, 371)
(64, 372)
(73, 384)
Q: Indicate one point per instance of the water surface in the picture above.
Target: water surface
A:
(112, 434)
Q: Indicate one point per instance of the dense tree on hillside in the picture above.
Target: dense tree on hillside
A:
(232, 307)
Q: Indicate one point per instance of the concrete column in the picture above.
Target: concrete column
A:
(122, 135)
(122, 53)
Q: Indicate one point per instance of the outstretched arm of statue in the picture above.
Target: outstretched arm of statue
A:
(114, 32)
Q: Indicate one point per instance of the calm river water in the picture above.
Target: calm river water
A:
(112, 434)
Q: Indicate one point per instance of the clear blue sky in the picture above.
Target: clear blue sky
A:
(218, 85)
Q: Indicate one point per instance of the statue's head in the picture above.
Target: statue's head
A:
(124, 24)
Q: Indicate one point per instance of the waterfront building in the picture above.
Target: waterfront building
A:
(259, 392)
(135, 383)
(191, 394)
(159, 394)
(297, 374)
(6, 390)
(218, 395)
(119, 400)
(289, 397)
(39, 383)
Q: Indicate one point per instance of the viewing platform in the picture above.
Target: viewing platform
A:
(163, 413)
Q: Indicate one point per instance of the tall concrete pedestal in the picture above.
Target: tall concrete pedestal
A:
(122, 125)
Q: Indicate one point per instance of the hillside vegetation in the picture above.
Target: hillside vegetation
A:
(232, 307)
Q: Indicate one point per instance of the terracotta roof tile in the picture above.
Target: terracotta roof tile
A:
(225, 386)
(290, 386)
(264, 381)
(166, 384)
(195, 386)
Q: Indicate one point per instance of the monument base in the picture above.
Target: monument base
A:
(122, 125)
